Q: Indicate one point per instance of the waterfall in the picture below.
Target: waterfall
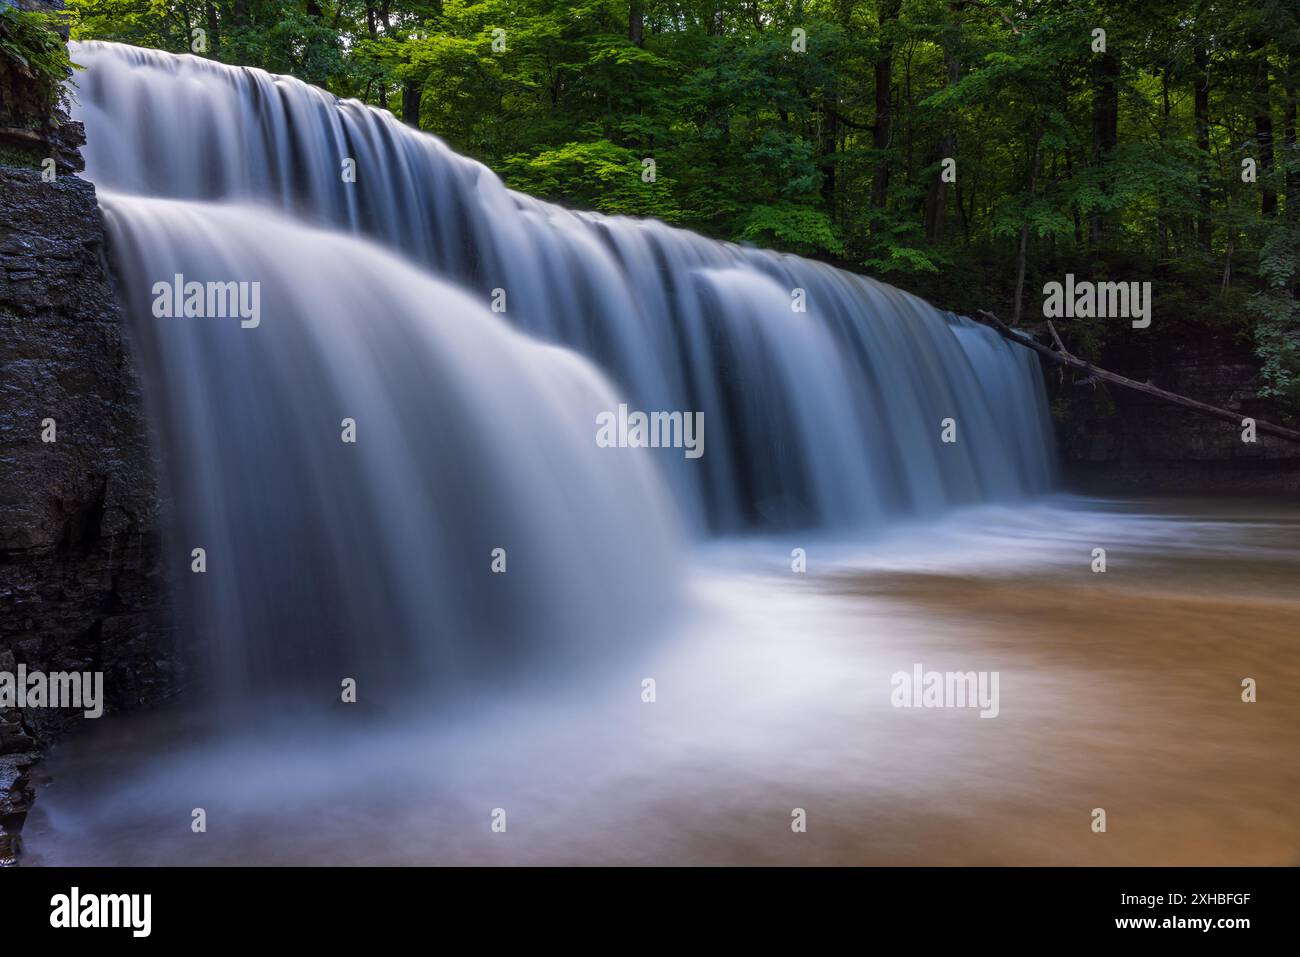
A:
(373, 559)
(473, 437)
(827, 418)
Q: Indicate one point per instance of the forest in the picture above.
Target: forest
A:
(378, 494)
(968, 151)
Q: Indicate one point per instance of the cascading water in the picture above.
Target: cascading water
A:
(828, 418)
(370, 558)
(373, 559)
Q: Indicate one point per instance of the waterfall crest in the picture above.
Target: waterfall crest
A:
(829, 418)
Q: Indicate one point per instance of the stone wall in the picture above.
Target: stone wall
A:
(1117, 440)
(80, 582)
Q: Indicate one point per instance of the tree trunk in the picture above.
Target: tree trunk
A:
(310, 63)
(1264, 138)
(412, 92)
(1202, 110)
(936, 212)
(829, 143)
(1263, 117)
(1105, 127)
(1292, 182)
(636, 22)
(214, 28)
(882, 134)
(1025, 238)
(717, 19)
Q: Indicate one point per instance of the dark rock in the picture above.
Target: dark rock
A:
(1117, 440)
(31, 127)
(15, 794)
(80, 584)
(10, 849)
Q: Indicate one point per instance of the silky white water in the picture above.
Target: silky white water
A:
(380, 559)
(523, 687)
(373, 559)
(826, 418)
(1118, 691)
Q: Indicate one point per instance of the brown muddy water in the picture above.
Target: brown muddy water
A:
(1119, 691)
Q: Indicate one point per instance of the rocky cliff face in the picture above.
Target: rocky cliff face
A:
(31, 128)
(80, 585)
(1117, 440)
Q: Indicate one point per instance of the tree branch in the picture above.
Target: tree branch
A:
(1061, 357)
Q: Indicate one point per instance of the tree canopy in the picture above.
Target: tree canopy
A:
(965, 149)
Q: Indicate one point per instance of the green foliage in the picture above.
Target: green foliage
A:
(1107, 162)
(792, 228)
(904, 259)
(1277, 336)
(30, 42)
(595, 175)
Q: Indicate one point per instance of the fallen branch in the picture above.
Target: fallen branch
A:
(1060, 356)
